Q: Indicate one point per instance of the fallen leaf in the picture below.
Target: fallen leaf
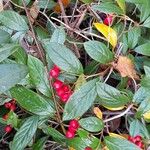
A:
(115, 109)
(126, 67)
(98, 112)
(116, 135)
(65, 4)
(109, 33)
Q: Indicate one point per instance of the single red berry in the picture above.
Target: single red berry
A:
(7, 128)
(13, 107)
(65, 97)
(60, 92)
(108, 20)
(138, 138)
(57, 84)
(53, 73)
(5, 117)
(7, 105)
(140, 144)
(70, 135)
(66, 88)
(130, 138)
(74, 123)
(88, 148)
(55, 67)
(71, 129)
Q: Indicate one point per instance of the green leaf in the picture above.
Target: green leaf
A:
(13, 20)
(92, 124)
(110, 96)
(146, 23)
(38, 75)
(39, 145)
(64, 58)
(12, 119)
(108, 8)
(32, 102)
(87, 1)
(137, 128)
(135, 1)
(81, 100)
(46, 4)
(80, 81)
(114, 143)
(56, 135)
(25, 133)
(11, 74)
(143, 49)
(98, 51)
(122, 5)
(133, 37)
(58, 36)
(7, 49)
(5, 36)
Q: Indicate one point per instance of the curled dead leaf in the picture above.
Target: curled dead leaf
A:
(126, 67)
(98, 112)
(116, 135)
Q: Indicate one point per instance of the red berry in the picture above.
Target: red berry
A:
(60, 92)
(57, 84)
(5, 117)
(7, 128)
(66, 88)
(55, 67)
(71, 129)
(140, 144)
(54, 73)
(138, 138)
(13, 107)
(74, 123)
(70, 134)
(65, 97)
(7, 105)
(108, 20)
(88, 148)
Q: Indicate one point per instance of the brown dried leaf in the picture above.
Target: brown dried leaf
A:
(126, 67)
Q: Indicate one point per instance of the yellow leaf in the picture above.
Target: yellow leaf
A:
(115, 109)
(71, 148)
(116, 135)
(147, 116)
(105, 148)
(108, 32)
(126, 67)
(98, 112)
(122, 5)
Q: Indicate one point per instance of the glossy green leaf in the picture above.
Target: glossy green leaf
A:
(7, 49)
(80, 81)
(32, 102)
(108, 8)
(135, 1)
(87, 1)
(110, 96)
(12, 119)
(114, 143)
(81, 100)
(122, 5)
(92, 124)
(133, 37)
(13, 20)
(146, 23)
(137, 128)
(143, 49)
(38, 75)
(39, 145)
(11, 74)
(5, 36)
(58, 36)
(98, 51)
(56, 135)
(25, 133)
(64, 58)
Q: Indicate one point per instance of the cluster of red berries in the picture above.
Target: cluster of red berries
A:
(63, 91)
(108, 20)
(137, 140)
(73, 127)
(11, 106)
(88, 148)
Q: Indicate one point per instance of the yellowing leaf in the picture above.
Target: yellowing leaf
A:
(71, 148)
(80, 81)
(122, 5)
(98, 112)
(115, 109)
(105, 148)
(147, 116)
(108, 32)
(116, 135)
(126, 67)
